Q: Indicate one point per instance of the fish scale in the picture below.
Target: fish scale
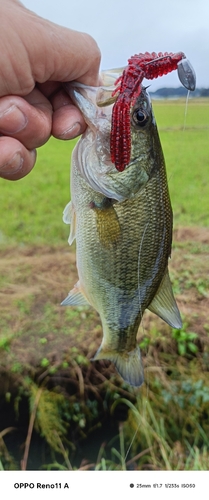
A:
(123, 245)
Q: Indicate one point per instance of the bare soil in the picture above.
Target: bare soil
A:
(38, 336)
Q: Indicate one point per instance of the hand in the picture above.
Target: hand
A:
(36, 56)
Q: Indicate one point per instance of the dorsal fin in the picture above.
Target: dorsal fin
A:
(164, 304)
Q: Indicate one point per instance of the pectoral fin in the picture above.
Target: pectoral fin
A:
(108, 226)
(164, 304)
(75, 298)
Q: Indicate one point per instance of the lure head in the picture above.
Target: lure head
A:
(186, 74)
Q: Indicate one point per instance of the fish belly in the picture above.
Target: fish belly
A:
(120, 278)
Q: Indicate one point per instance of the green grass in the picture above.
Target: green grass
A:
(171, 113)
(32, 207)
(186, 153)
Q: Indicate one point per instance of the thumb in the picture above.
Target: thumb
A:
(44, 52)
(69, 55)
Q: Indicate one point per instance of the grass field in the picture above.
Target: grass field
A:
(186, 151)
(32, 207)
(55, 404)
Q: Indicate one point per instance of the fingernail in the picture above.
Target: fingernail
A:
(12, 120)
(12, 166)
(72, 132)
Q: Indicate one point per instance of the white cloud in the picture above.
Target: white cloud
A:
(125, 27)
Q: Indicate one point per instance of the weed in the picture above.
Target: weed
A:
(144, 344)
(43, 340)
(45, 362)
(5, 342)
(166, 448)
(16, 367)
(47, 419)
(185, 341)
(7, 462)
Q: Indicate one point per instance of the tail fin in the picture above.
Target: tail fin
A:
(128, 364)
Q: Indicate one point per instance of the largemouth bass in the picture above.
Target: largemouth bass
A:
(122, 222)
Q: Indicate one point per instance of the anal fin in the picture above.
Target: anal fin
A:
(164, 304)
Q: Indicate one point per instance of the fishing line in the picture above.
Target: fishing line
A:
(130, 445)
(142, 320)
(186, 109)
(140, 248)
(143, 329)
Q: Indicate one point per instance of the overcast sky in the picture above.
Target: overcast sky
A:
(123, 28)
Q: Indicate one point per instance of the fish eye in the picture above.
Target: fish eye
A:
(140, 117)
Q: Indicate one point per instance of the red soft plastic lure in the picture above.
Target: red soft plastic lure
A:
(128, 88)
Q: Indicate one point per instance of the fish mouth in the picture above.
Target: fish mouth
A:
(95, 103)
